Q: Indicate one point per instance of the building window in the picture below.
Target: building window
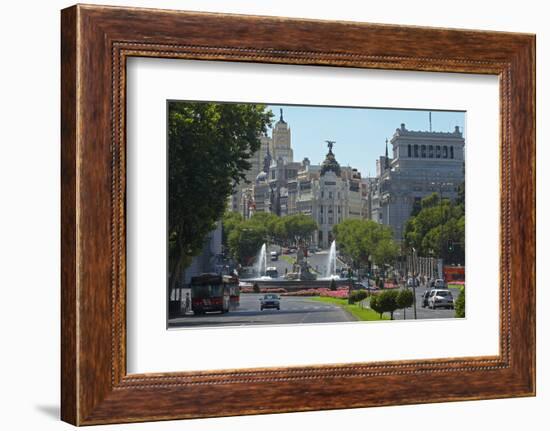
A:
(321, 209)
(416, 151)
(320, 236)
(444, 152)
(322, 194)
(423, 151)
(438, 152)
(431, 151)
(330, 195)
(409, 152)
(452, 153)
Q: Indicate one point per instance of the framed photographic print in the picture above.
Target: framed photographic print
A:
(292, 215)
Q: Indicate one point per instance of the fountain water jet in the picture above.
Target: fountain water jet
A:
(261, 262)
(331, 262)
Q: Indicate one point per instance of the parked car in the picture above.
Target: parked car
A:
(425, 297)
(270, 300)
(441, 298)
(274, 255)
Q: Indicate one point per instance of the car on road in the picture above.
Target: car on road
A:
(274, 255)
(272, 272)
(364, 285)
(440, 284)
(441, 298)
(270, 300)
(425, 297)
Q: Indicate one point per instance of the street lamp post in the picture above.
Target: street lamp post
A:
(414, 283)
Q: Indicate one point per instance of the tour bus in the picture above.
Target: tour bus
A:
(209, 293)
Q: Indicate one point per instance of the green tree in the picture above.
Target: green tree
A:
(297, 228)
(375, 305)
(209, 145)
(385, 302)
(460, 304)
(438, 224)
(361, 239)
(405, 299)
(269, 221)
(230, 221)
(245, 240)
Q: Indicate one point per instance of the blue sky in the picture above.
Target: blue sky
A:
(360, 133)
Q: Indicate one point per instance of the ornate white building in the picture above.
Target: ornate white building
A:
(328, 192)
(422, 163)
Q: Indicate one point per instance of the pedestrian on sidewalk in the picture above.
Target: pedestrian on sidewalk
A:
(187, 303)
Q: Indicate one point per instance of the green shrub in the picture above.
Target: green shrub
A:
(385, 301)
(460, 304)
(405, 298)
(357, 296)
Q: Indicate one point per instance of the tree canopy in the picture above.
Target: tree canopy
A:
(360, 240)
(209, 145)
(243, 238)
(438, 229)
(385, 302)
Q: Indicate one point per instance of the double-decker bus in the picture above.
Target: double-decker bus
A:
(213, 292)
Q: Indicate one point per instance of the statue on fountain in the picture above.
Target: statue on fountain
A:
(302, 268)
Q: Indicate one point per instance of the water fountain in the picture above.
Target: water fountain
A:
(260, 267)
(331, 262)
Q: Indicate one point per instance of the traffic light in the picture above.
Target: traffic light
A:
(450, 246)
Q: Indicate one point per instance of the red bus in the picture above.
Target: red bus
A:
(453, 274)
(213, 292)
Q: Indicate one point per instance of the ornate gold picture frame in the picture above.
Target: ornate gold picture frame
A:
(96, 41)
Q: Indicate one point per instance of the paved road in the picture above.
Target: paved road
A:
(426, 313)
(293, 310)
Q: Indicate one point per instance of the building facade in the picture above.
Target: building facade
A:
(328, 193)
(422, 163)
(277, 184)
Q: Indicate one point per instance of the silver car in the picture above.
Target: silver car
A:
(270, 300)
(441, 298)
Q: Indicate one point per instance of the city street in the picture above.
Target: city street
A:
(317, 260)
(293, 310)
(426, 313)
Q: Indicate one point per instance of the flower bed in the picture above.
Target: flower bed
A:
(307, 292)
(264, 290)
(341, 292)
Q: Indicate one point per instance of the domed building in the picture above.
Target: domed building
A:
(329, 194)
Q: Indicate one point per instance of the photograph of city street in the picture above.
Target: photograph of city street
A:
(291, 214)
